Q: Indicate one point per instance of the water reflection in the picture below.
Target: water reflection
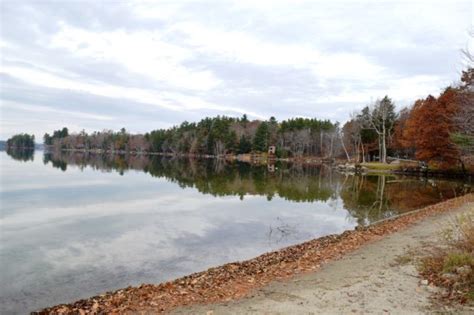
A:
(368, 198)
(21, 154)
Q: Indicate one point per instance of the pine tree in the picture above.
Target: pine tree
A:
(260, 141)
(245, 146)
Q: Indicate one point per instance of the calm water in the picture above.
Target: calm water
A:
(76, 225)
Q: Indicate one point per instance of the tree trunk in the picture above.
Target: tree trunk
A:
(332, 141)
(363, 152)
(380, 148)
(357, 151)
(384, 145)
(321, 142)
(344, 147)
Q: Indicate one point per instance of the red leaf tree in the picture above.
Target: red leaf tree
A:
(429, 128)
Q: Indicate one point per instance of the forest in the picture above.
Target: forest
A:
(436, 130)
(216, 136)
(21, 141)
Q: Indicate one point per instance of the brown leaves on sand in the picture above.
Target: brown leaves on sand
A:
(234, 280)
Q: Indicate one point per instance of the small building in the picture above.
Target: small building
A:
(271, 168)
(271, 149)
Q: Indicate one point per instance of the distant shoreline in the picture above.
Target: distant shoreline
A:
(409, 169)
(259, 158)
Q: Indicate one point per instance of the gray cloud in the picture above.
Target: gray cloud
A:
(144, 65)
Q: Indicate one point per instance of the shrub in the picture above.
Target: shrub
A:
(453, 267)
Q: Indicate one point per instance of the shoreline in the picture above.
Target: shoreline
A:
(264, 159)
(382, 277)
(235, 280)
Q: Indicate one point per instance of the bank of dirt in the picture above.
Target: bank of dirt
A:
(356, 272)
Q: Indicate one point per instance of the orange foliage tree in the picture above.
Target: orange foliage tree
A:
(399, 144)
(429, 127)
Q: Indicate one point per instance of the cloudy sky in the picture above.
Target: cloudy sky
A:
(144, 65)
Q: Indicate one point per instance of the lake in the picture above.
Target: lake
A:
(75, 225)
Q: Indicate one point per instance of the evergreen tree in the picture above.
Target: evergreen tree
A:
(47, 139)
(245, 146)
(260, 141)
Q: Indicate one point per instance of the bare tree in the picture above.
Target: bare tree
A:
(381, 118)
(468, 53)
(341, 136)
(464, 117)
(352, 132)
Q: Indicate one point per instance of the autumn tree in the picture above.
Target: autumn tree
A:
(429, 128)
(400, 144)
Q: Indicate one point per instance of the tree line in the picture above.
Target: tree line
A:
(436, 130)
(216, 136)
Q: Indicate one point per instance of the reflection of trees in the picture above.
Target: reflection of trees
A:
(214, 176)
(367, 198)
(21, 154)
(57, 163)
(381, 204)
(371, 198)
(102, 162)
(224, 178)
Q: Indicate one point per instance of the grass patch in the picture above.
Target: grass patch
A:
(454, 260)
(403, 259)
(452, 267)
